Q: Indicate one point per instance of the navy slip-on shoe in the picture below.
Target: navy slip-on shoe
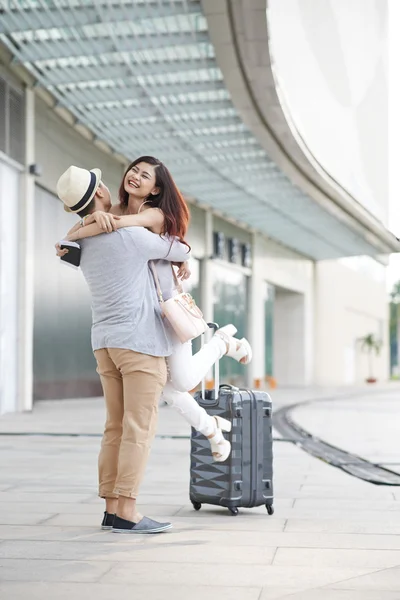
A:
(146, 525)
(108, 521)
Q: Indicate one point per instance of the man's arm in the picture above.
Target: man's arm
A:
(153, 247)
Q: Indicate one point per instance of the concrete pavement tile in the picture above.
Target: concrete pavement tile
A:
(138, 549)
(8, 476)
(345, 492)
(328, 594)
(49, 507)
(322, 557)
(235, 539)
(169, 486)
(156, 500)
(62, 527)
(5, 487)
(205, 553)
(47, 488)
(221, 523)
(71, 520)
(179, 490)
(57, 534)
(385, 579)
(160, 513)
(278, 593)
(74, 550)
(51, 570)
(18, 532)
(23, 518)
(342, 526)
(318, 524)
(223, 575)
(37, 498)
(83, 591)
(75, 534)
(335, 540)
(259, 512)
(285, 491)
(359, 504)
(321, 512)
(285, 539)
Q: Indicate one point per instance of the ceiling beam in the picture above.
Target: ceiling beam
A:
(135, 91)
(116, 114)
(15, 20)
(78, 74)
(84, 47)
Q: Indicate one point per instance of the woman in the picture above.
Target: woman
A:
(149, 198)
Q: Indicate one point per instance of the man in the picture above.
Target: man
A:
(129, 343)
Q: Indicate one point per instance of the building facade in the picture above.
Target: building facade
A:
(302, 276)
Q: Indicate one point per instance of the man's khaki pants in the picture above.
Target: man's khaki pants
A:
(132, 385)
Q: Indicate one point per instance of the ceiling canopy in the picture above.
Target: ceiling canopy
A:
(142, 75)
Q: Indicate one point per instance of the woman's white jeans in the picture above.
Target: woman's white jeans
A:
(185, 373)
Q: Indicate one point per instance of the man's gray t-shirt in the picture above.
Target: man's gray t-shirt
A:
(125, 308)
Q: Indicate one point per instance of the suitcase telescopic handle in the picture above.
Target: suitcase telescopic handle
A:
(226, 386)
(214, 327)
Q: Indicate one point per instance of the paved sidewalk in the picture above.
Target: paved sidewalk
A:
(332, 537)
(366, 425)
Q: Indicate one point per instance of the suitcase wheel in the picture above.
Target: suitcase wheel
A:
(196, 505)
(270, 509)
(234, 510)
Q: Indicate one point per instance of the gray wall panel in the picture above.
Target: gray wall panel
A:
(64, 366)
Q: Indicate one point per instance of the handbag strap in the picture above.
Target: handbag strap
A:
(178, 286)
(156, 281)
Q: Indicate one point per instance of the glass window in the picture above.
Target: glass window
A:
(192, 285)
(230, 306)
(63, 362)
(269, 301)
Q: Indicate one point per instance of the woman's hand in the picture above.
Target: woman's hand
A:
(60, 251)
(184, 271)
(106, 221)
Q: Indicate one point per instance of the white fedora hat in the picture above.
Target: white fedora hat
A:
(76, 187)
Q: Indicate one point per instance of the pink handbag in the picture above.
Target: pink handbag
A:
(182, 312)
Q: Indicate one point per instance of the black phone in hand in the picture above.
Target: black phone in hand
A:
(73, 256)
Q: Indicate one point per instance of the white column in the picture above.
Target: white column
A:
(26, 256)
(9, 214)
(309, 332)
(256, 319)
(289, 338)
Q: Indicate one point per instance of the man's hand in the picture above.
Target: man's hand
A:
(106, 221)
(184, 271)
(60, 251)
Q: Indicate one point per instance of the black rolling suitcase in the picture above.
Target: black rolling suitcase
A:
(245, 478)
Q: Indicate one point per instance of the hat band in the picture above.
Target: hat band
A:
(82, 203)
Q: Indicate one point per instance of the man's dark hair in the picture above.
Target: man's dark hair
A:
(88, 209)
